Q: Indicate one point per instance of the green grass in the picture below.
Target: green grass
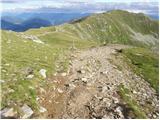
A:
(19, 53)
(132, 104)
(145, 63)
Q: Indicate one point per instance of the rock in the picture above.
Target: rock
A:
(104, 89)
(42, 90)
(30, 76)
(28, 71)
(81, 71)
(119, 111)
(2, 81)
(134, 92)
(84, 80)
(154, 116)
(72, 86)
(59, 90)
(43, 73)
(4, 71)
(27, 111)
(8, 113)
(105, 72)
(7, 64)
(115, 100)
(66, 85)
(42, 109)
(63, 74)
(10, 91)
(55, 74)
(37, 98)
(100, 88)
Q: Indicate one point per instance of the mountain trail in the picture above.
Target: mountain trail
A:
(91, 89)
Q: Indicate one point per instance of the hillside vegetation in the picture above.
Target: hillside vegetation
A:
(49, 48)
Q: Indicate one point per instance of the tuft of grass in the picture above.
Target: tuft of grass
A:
(145, 63)
(132, 104)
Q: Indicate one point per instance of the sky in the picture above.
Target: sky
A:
(78, 5)
(33, 4)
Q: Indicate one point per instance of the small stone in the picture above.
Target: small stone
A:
(119, 111)
(7, 64)
(66, 85)
(115, 100)
(63, 74)
(55, 74)
(84, 80)
(104, 89)
(134, 92)
(4, 71)
(42, 90)
(8, 113)
(43, 73)
(81, 71)
(105, 72)
(37, 98)
(30, 76)
(59, 90)
(28, 71)
(10, 90)
(100, 88)
(2, 81)
(27, 111)
(42, 109)
(72, 86)
(154, 116)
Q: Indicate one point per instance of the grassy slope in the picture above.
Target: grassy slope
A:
(19, 54)
(145, 63)
(94, 30)
(114, 27)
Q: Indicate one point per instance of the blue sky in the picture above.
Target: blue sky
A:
(26, 5)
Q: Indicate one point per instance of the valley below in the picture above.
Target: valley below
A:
(102, 66)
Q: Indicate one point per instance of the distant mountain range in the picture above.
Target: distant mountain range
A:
(25, 21)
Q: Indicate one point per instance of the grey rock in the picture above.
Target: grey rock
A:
(27, 111)
(81, 71)
(27, 71)
(43, 73)
(84, 80)
(2, 81)
(42, 109)
(64, 74)
(8, 113)
(30, 76)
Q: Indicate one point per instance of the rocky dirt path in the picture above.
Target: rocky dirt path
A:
(90, 89)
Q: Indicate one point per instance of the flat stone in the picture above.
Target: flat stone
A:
(115, 100)
(59, 90)
(42, 109)
(8, 113)
(30, 76)
(84, 80)
(43, 73)
(63, 74)
(2, 81)
(27, 111)
(81, 71)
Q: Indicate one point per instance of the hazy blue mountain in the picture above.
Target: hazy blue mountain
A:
(36, 20)
(31, 23)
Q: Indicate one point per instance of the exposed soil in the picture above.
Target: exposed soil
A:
(90, 89)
